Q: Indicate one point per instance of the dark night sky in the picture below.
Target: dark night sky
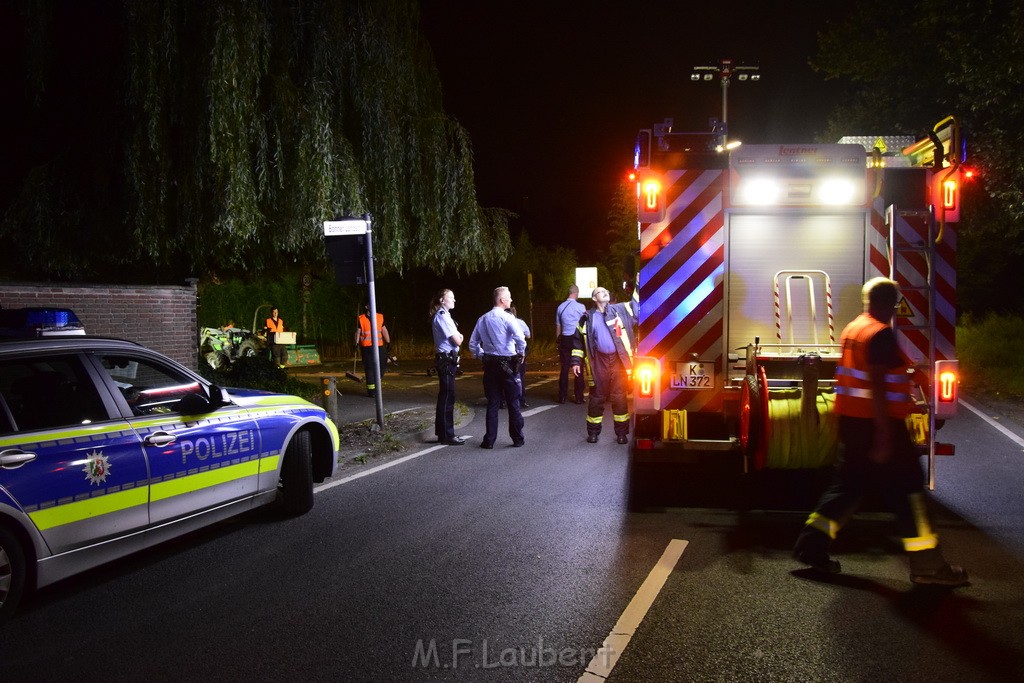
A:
(552, 93)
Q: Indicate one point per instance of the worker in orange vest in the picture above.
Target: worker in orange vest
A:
(365, 343)
(873, 400)
(278, 352)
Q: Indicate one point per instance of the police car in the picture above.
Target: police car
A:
(107, 447)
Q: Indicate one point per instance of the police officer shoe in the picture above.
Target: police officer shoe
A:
(561, 400)
(524, 404)
(484, 444)
(591, 438)
(519, 444)
(622, 438)
(454, 441)
(947, 575)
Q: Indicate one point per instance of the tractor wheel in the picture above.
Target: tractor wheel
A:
(217, 360)
(247, 350)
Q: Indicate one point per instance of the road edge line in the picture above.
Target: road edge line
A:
(999, 428)
(378, 468)
(600, 667)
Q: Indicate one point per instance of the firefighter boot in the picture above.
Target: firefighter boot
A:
(592, 434)
(812, 549)
(929, 568)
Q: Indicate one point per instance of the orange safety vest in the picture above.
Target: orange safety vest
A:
(853, 376)
(275, 327)
(364, 330)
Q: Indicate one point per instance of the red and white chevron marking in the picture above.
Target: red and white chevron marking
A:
(681, 282)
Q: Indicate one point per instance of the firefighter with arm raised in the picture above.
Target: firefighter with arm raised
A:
(604, 341)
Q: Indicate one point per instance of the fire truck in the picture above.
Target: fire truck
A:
(752, 261)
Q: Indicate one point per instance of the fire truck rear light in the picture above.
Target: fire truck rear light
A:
(945, 448)
(644, 444)
(946, 389)
(650, 195)
(645, 378)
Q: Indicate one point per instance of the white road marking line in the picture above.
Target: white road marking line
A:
(411, 456)
(433, 383)
(600, 667)
(1000, 428)
(538, 409)
(378, 468)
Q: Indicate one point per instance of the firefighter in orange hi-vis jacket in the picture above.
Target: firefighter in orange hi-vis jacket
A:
(873, 399)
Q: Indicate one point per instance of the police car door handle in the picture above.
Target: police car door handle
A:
(160, 439)
(13, 458)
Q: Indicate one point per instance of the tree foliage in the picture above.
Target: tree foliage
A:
(907, 65)
(248, 123)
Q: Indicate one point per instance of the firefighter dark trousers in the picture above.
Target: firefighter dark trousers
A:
(367, 351)
(900, 484)
(565, 346)
(609, 384)
(501, 382)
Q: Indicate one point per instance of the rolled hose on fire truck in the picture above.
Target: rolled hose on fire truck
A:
(794, 443)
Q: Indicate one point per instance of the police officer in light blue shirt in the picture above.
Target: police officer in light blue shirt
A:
(567, 317)
(447, 340)
(498, 341)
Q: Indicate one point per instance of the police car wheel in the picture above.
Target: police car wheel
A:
(12, 573)
(296, 487)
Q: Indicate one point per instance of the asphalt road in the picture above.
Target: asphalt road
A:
(516, 564)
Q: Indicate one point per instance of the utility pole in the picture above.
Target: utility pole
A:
(725, 70)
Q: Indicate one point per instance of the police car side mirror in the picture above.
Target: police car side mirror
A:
(217, 397)
(194, 404)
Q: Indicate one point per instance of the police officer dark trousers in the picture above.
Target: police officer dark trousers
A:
(444, 420)
(501, 382)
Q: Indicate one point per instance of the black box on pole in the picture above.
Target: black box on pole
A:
(348, 254)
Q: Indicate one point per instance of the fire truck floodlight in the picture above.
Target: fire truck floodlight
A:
(760, 191)
(837, 191)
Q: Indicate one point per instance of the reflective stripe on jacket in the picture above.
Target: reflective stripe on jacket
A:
(364, 330)
(854, 393)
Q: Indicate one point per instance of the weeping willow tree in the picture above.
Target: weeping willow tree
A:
(247, 123)
(258, 120)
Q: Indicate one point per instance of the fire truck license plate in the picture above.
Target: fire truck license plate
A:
(694, 375)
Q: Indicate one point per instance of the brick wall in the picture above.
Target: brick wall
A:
(162, 318)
